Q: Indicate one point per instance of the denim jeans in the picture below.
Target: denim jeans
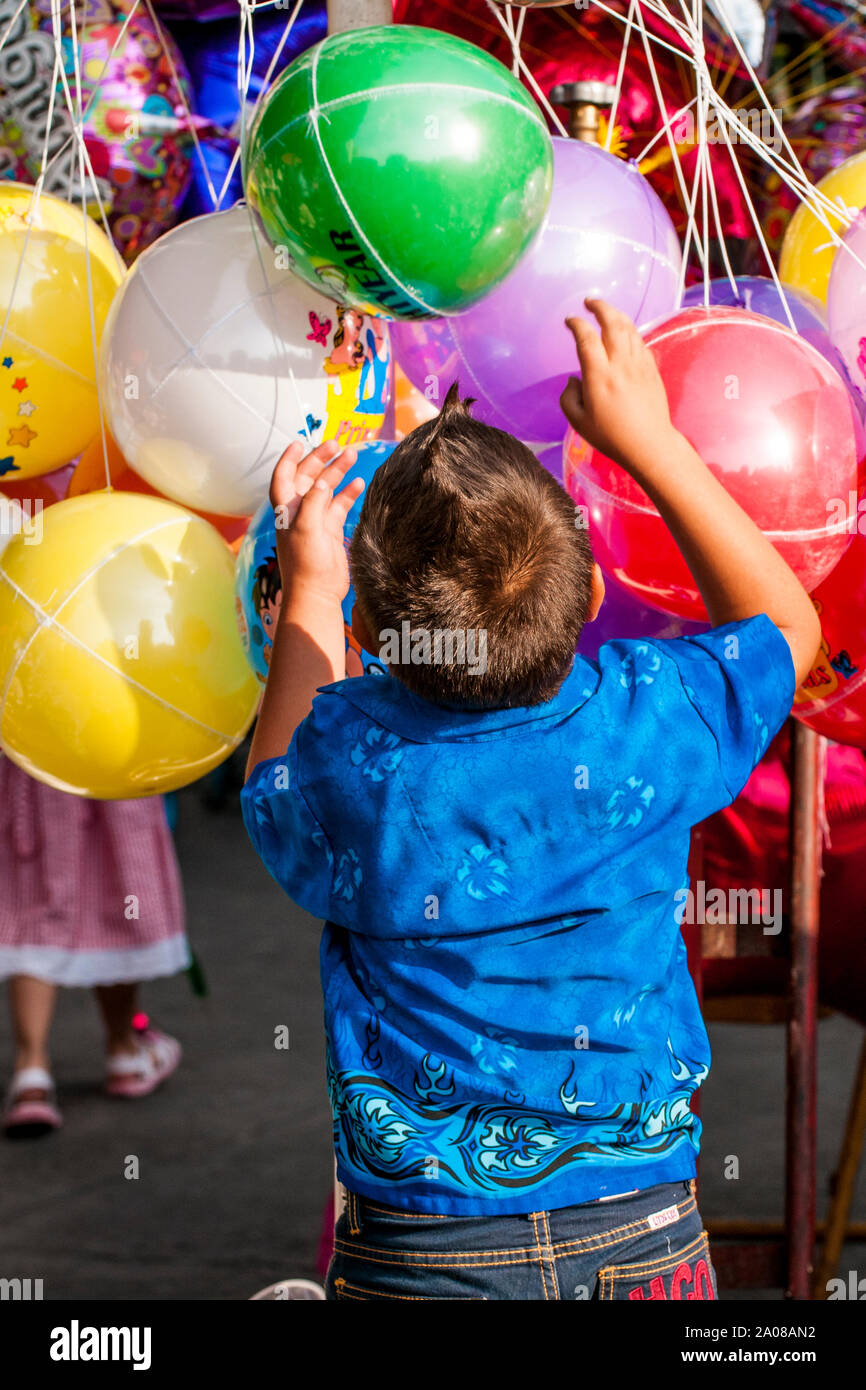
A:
(650, 1244)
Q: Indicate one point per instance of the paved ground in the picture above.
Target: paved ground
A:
(234, 1153)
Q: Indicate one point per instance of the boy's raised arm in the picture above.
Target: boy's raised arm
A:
(620, 407)
(309, 644)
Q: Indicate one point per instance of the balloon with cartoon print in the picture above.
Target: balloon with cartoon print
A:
(258, 584)
(133, 86)
(216, 358)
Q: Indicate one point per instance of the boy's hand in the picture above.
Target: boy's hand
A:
(619, 406)
(309, 519)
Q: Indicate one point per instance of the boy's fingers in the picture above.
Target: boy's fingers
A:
(296, 472)
(616, 327)
(282, 487)
(334, 473)
(314, 506)
(590, 349)
(571, 403)
(314, 463)
(344, 501)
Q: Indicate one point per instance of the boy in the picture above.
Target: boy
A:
(513, 1037)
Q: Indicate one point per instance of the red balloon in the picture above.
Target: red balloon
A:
(832, 698)
(772, 420)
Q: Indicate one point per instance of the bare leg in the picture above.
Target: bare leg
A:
(118, 1005)
(32, 1004)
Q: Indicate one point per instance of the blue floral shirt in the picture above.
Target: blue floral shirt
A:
(510, 1021)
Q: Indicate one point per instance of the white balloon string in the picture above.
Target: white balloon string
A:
(620, 74)
(179, 85)
(72, 139)
(10, 24)
(78, 122)
(687, 202)
(522, 68)
(703, 160)
(246, 124)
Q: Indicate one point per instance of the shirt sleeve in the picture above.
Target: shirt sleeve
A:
(285, 833)
(740, 680)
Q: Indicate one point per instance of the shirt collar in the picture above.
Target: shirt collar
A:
(388, 702)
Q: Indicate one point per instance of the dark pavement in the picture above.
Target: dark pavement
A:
(234, 1152)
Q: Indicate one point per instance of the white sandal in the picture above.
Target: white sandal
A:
(31, 1104)
(138, 1074)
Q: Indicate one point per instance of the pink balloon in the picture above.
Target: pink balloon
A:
(606, 234)
(774, 422)
(846, 302)
(832, 698)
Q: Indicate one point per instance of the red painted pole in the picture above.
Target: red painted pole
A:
(806, 801)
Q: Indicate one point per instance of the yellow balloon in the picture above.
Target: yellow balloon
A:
(121, 668)
(48, 403)
(807, 253)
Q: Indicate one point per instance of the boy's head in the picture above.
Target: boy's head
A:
(463, 531)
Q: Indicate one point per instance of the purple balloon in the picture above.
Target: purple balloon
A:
(846, 302)
(607, 234)
(621, 615)
(550, 457)
(759, 294)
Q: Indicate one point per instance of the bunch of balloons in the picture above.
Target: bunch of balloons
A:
(403, 195)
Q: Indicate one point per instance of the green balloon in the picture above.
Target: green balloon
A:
(404, 170)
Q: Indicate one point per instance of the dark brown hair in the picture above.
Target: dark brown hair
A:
(462, 529)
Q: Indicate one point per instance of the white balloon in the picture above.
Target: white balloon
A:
(214, 360)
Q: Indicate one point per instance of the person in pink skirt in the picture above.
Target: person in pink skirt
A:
(91, 896)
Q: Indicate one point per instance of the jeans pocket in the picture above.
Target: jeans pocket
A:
(350, 1291)
(684, 1275)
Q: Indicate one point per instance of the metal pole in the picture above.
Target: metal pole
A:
(342, 16)
(358, 14)
(806, 772)
(838, 1227)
